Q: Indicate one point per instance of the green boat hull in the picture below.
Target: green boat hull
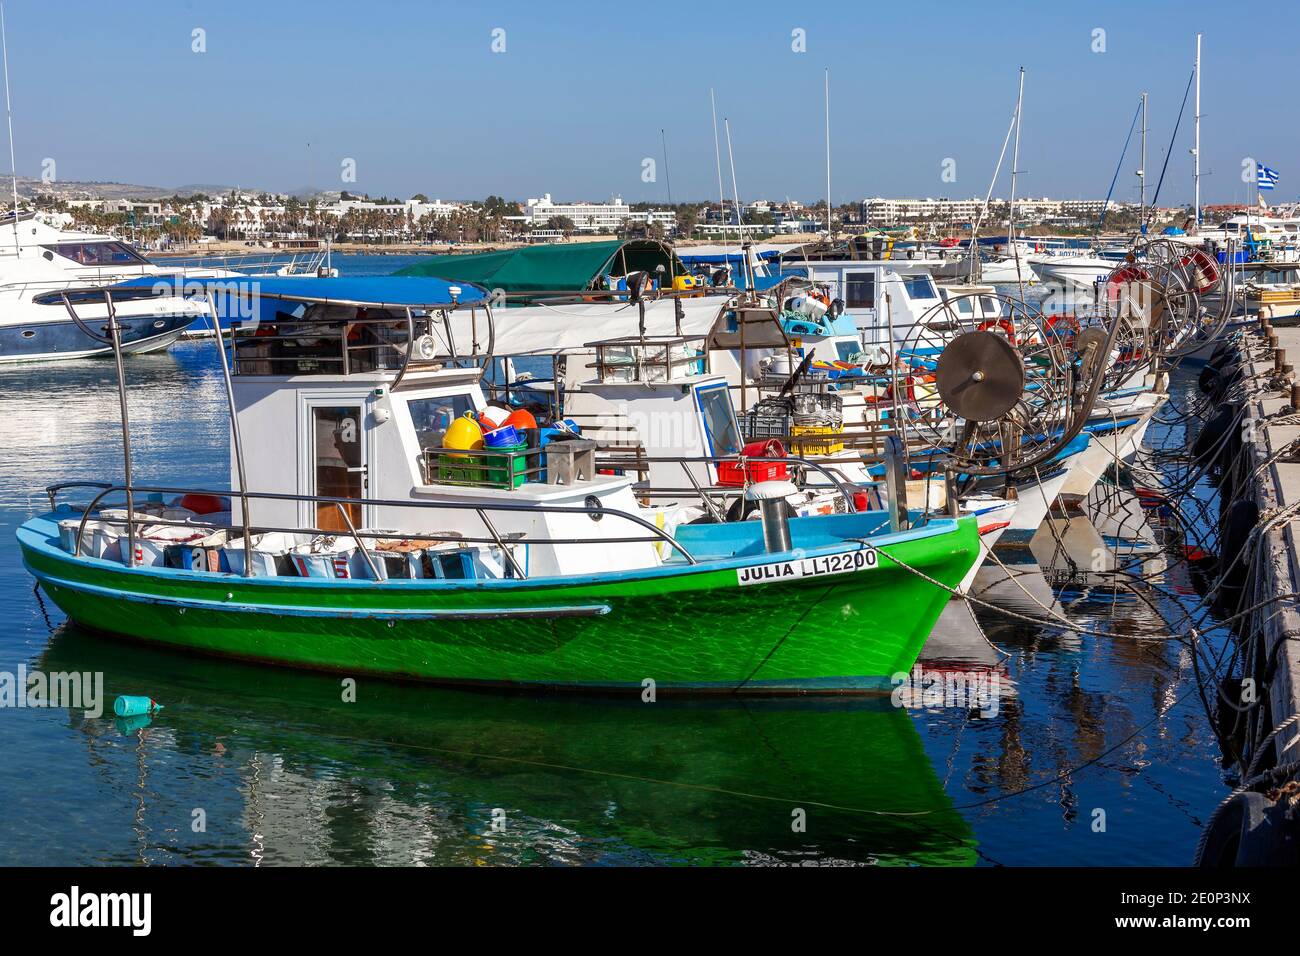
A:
(683, 627)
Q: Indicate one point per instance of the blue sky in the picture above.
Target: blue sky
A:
(413, 92)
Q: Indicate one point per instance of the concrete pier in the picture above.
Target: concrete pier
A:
(1267, 473)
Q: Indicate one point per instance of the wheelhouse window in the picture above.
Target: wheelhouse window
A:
(433, 416)
(919, 287)
(720, 425)
(98, 253)
(860, 290)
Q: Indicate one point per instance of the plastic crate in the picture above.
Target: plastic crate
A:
(770, 418)
(484, 469)
(826, 406)
(826, 443)
(734, 474)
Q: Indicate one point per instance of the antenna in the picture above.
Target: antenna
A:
(9, 117)
(828, 153)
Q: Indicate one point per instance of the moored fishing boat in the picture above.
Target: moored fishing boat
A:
(361, 536)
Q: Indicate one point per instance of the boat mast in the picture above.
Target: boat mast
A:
(1015, 168)
(1196, 138)
(668, 179)
(717, 158)
(1142, 168)
(9, 118)
(828, 153)
(731, 158)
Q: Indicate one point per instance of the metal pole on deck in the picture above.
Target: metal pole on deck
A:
(114, 335)
(234, 431)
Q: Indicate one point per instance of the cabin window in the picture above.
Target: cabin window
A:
(989, 305)
(965, 306)
(720, 426)
(919, 287)
(99, 253)
(860, 290)
(432, 417)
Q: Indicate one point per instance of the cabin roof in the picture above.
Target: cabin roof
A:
(395, 292)
(566, 267)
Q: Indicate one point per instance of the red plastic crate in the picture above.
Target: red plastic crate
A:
(732, 474)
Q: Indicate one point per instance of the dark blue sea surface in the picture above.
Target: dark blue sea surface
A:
(1098, 751)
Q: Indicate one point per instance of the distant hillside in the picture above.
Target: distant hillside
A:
(96, 190)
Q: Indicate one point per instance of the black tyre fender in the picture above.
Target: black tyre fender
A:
(1249, 830)
(1237, 525)
(1209, 440)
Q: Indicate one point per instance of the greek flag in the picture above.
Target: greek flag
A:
(1265, 178)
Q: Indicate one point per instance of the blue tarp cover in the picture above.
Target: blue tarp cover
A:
(374, 291)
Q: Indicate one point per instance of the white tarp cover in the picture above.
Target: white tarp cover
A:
(567, 327)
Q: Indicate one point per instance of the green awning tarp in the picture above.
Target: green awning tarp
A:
(559, 267)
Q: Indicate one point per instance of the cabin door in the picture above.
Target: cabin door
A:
(339, 463)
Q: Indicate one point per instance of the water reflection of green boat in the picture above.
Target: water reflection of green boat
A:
(413, 774)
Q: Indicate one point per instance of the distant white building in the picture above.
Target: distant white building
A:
(594, 217)
(586, 216)
(415, 207)
(889, 212)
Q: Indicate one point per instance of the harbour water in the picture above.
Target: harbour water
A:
(1096, 752)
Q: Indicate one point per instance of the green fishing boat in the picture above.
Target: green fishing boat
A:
(381, 541)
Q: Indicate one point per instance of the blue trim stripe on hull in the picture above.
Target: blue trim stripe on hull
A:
(37, 341)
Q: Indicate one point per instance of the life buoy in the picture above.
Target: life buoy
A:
(1117, 284)
(1205, 271)
(1002, 325)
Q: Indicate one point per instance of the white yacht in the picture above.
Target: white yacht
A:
(40, 263)
(1072, 267)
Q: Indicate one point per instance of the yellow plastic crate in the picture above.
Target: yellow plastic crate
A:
(826, 445)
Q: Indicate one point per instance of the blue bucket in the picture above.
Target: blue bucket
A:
(503, 437)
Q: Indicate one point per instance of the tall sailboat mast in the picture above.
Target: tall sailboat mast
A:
(1142, 167)
(1196, 137)
(9, 119)
(717, 155)
(828, 153)
(1015, 168)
